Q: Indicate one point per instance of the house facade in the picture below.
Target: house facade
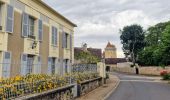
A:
(34, 38)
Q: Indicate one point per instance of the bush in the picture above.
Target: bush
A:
(165, 75)
(107, 76)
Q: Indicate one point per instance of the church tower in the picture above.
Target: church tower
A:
(110, 51)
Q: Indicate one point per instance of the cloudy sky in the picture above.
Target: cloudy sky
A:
(99, 21)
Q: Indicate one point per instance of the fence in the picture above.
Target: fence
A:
(37, 87)
(84, 68)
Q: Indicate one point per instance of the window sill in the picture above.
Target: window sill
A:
(54, 46)
(30, 39)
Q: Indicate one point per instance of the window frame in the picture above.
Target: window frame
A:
(31, 35)
(12, 19)
(54, 36)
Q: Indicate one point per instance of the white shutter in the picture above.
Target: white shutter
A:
(53, 35)
(24, 64)
(70, 42)
(10, 19)
(40, 30)
(55, 32)
(49, 66)
(6, 64)
(64, 40)
(25, 21)
(37, 66)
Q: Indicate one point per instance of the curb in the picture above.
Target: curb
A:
(107, 96)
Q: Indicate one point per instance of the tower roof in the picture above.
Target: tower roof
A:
(110, 45)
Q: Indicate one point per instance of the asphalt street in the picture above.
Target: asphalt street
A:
(134, 87)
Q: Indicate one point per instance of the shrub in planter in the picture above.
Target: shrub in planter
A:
(165, 75)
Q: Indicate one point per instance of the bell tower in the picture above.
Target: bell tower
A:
(110, 51)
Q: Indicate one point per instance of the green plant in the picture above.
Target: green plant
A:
(165, 75)
(107, 76)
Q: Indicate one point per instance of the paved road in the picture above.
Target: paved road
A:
(133, 87)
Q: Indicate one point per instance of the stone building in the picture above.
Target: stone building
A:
(34, 38)
(110, 51)
(110, 56)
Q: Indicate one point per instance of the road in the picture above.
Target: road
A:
(134, 87)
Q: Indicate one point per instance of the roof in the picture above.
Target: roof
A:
(114, 60)
(110, 45)
(67, 20)
(94, 51)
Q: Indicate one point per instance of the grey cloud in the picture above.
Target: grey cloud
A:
(109, 16)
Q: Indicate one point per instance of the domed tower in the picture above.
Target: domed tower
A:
(110, 51)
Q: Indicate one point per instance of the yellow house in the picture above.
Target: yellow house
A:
(34, 38)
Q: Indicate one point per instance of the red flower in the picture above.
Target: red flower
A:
(164, 72)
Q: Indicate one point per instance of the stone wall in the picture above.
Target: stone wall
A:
(146, 70)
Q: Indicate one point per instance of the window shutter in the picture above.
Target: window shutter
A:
(10, 19)
(23, 64)
(70, 42)
(64, 40)
(40, 30)
(49, 66)
(55, 36)
(37, 68)
(52, 38)
(25, 18)
(6, 65)
(64, 64)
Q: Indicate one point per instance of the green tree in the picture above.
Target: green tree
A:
(157, 49)
(86, 57)
(132, 37)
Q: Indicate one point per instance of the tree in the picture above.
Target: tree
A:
(165, 46)
(132, 37)
(156, 52)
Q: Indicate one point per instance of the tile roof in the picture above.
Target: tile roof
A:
(114, 60)
(110, 45)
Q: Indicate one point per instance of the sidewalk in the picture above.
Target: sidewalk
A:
(101, 92)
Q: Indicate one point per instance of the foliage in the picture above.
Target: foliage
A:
(157, 50)
(107, 76)
(24, 85)
(86, 57)
(132, 38)
(165, 75)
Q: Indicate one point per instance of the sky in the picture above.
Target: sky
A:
(99, 21)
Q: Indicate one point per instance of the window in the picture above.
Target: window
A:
(66, 65)
(67, 36)
(54, 36)
(9, 19)
(6, 64)
(30, 64)
(65, 40)
(51, 65)
(31, 25)
(27, 64)
(40, 30)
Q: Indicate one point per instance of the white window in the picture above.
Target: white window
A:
(31, 25)
(51, 65)
(6, 65)
(54, 36)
